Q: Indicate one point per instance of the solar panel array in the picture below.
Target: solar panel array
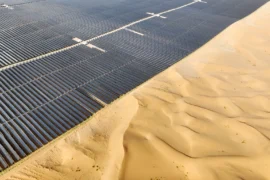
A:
(43, 98)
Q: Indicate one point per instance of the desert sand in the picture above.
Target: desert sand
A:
(205, 118)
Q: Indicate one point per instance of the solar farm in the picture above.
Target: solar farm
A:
(61, 61)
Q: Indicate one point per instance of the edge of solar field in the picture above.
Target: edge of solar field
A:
(16, 164)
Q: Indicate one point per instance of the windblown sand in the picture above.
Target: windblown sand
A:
(205, 118)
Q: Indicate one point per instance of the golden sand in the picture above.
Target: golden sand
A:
(205, 118)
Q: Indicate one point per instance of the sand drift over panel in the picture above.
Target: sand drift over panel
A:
(62, 61)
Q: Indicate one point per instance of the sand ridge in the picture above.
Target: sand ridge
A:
(207, 117)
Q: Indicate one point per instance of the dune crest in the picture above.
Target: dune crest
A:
(207, 117)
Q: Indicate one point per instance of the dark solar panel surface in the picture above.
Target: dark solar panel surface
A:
(42, 99)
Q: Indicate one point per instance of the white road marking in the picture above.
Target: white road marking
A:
(97, 37)
(6, 6)
(156, 15)
(200, 1)
(171, 10)
(95, 47)
(77, 39)
(136, 32)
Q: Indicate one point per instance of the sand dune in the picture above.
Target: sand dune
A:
(207, 117)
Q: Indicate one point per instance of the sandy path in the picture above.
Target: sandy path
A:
(207, 117)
